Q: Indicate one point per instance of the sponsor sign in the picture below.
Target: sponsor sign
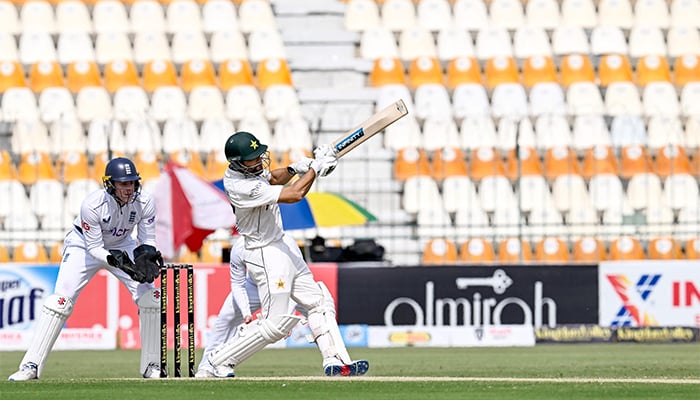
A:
(451, 336)
(656, 335)
(106, 305)
(583, 333)
(353, 336)
(468, 296)
(649, 293)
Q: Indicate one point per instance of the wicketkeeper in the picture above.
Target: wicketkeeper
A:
(101, 238)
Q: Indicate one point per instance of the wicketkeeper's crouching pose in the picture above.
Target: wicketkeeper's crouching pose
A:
(101, 238)
(273, 259)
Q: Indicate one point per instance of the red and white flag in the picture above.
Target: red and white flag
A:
(188, 210)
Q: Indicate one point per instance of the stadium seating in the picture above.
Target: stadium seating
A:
(602, 98)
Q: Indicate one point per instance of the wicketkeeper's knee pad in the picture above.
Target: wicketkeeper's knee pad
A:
(149, 327)
(324, 328)
(252, 338)
(55, 312)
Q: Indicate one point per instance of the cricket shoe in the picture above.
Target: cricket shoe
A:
(210, 370)
(355, 368)
(26, 372)
(153, 371)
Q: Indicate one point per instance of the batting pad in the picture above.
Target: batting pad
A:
(325, 329)
(252, 338)
(54, 314)
(149, 327)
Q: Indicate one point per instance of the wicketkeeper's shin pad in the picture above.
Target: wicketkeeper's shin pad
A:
(55, 312)
(253, 337)
(325, 330)
(149, 327)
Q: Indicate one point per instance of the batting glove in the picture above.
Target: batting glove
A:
(324, 165)
(323, 150)
(300, 167)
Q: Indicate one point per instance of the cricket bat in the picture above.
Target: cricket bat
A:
(368, 128)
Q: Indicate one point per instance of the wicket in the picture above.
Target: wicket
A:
(177, 272)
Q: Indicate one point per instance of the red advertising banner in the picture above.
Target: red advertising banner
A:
(104, 304)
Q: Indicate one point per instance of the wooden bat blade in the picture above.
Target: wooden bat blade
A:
(368, 128)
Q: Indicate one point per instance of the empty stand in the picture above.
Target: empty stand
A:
(512, 250)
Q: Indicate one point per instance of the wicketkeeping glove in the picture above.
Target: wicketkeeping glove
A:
(120, 259)
(148, 261)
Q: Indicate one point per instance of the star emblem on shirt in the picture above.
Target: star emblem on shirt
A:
(280, 284)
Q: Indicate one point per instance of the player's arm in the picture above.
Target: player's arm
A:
(92, 232)
(322, 165)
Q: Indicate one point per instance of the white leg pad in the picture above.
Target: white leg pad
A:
(149, 327)
(252, 338)
(325, 330)
(54, 314)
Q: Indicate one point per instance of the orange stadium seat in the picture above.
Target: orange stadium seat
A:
(439, 251)
(197, 73)
(560, 161)
(82, 74)
(692, 249)
(599, 160)
(477, 250)
(387, 71)
(513, 250)
(425, 70)
(671, 159)
(529, 163)
(185, 256)
(11, 75)
(159, 73)
(695, 163)
(99, 163)
(73, 165)
(485, 161)
(7, 166)
(463, 70)
(576, 68)
(216, 165)
(34, 166)
(635, 159)
(148, 165)
(44, 74)
(410, 162)
(552, 250)
(120, 73)
(56, 252)
(189, 159)
(626, 248)
(589, 250)
(614, 68)
(539, 69)
(273, 71)
(30, 252)
(4, 254)
(652, 68)
(235, 72)
(664, 248)
(212, 251)
(500, 70)
(449, 161)
(686, 69)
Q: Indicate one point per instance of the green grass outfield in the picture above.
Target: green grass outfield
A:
(586, 371)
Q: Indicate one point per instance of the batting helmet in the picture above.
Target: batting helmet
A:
(243, 146)
(120, 169)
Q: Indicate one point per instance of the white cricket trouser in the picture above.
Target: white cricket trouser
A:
(281, 275)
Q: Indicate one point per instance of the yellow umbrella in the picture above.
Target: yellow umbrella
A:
(332, 209)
